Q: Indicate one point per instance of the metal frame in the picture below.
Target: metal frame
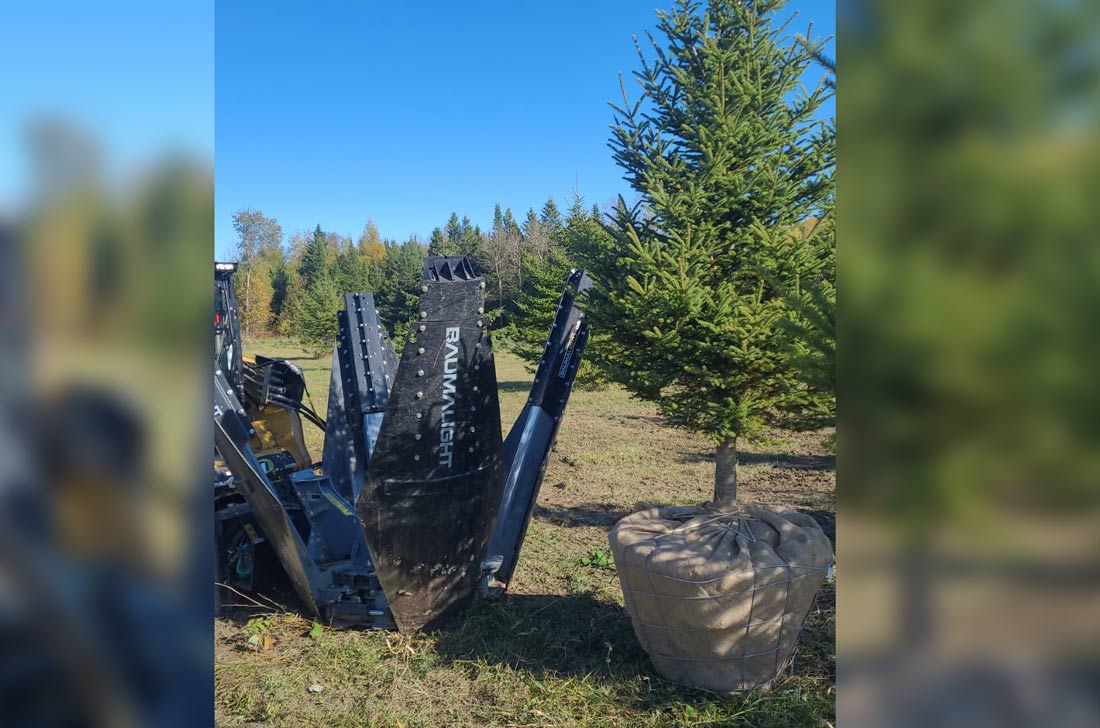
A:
(419, 504)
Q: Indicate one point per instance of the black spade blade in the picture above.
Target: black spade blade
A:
(435, 480)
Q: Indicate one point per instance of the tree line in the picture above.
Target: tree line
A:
(293, 285)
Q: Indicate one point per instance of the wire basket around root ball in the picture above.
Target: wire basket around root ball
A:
(718, 598)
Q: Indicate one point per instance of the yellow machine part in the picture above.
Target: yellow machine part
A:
(277, 428)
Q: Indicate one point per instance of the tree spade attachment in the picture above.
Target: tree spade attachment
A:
(418, 505)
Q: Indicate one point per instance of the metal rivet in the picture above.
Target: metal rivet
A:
(481, 309)
(416, 436)
(420, 350)
(419, 415)
(416, 457)
(423, 314)
(423, 327)
(423, 289)
(419, 372)
(419, 395)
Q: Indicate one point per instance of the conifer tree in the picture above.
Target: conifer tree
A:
(437, 243)
(399, 292)
(543, 275)
(810, 295)
(550, 217)
(457, 238)
(317, 323)
(320, 297)
(725, 156)
(809, 321)
(510, 223)
(350, 271)
(537, 302)
(452, 232)
(314, 264)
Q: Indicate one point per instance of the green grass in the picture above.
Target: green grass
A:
(558, 650)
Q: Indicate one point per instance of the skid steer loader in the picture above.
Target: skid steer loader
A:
(418, 505)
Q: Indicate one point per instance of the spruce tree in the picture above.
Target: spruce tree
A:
(350, 271)
(809, 321)
(437, 243)
(550, 217)
(452, 233)
(470, 241)
(314, 264)
(536, 302)
(458, 237)
(319, 291)
(725, 157)
(510, 223)
(317, 323)
(399, 292)
(543, 275)
(810, 294)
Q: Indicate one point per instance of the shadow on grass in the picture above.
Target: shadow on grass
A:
(579, 636)
(548, 635)
(778, 460)
(508, 387)
(583, 514)
(649, 419)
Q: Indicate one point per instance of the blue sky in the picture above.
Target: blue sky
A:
(136, 77)
(403, 112)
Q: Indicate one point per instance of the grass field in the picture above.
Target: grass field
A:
(558, 650)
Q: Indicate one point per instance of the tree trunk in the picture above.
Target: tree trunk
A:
(725, 472)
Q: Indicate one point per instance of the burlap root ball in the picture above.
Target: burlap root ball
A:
(718, 598)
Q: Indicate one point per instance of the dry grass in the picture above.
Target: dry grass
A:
(558, 650)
